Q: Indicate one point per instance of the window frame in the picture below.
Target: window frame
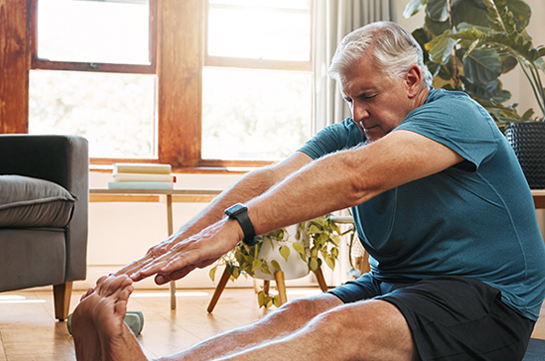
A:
(177, 55)
(229, 62)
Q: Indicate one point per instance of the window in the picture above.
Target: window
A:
(94, 75)
(193, 83)
(256, 79)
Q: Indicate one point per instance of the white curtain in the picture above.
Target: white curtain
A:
(333, 19)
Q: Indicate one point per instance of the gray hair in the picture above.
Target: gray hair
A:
(394, 50)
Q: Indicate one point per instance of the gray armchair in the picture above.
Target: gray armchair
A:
(45, 253)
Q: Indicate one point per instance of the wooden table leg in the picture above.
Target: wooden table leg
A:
(321, 280)
(281, 286)
(170, 229)
(219, 289)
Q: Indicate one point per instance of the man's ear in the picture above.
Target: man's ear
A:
(413, 80)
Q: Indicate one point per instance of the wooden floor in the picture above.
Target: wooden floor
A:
(29, 332)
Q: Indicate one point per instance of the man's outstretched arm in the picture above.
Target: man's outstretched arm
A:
(331, 183)
(250, 186)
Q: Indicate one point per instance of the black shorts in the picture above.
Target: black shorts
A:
(451, 318)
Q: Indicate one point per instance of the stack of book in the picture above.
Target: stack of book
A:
(142, 176)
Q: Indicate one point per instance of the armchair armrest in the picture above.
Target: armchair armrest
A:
(64, 160)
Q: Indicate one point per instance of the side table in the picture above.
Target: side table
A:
(155, 195)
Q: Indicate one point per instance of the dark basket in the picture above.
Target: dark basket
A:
(528, 142)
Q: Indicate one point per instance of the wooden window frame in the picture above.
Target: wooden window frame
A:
(219, 61)
(178, 35)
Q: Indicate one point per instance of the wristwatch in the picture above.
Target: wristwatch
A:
(240, 212)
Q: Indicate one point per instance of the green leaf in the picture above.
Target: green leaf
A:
(527, 115)
(330, 261)
(276, 265)
(413, 7)
(284, 252)
(256, 264)
(521, 13)
(498, 15)
(276, 301)
(212, 272)
(313, 264)
(437, 10)
(261, 299)
(440, 48)
(300, 248)
(482, 66)
(335, 252)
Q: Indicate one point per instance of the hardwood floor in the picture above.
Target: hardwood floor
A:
(29, 332)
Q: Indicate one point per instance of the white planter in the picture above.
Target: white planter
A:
(293, 268)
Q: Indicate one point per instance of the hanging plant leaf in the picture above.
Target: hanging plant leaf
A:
(330, 261)
(284, 252)
(276, 265)
(256, 264)
(299, 248)
(212, 273)
(313, 265)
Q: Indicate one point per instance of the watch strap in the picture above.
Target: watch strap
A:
(240, 213)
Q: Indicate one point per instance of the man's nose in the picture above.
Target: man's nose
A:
(359, 112)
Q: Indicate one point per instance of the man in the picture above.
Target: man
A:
(439, 202)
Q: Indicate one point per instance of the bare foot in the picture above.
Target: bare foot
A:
(116, 339)
(86, 340)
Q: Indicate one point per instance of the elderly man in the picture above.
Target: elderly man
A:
(439, 201)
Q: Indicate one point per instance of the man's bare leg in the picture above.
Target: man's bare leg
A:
(371, 330)
(286, 320)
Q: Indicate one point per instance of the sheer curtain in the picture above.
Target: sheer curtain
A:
(333, 19)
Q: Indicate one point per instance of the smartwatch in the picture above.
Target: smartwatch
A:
(240, 212)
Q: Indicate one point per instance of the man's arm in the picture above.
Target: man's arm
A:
(250, 186)
(331, 183)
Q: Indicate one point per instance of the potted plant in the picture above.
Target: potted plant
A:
(468, 45)
(301, 249)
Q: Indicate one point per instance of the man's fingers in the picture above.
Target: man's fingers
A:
(161, 278)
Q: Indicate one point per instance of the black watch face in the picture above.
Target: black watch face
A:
(236, 209)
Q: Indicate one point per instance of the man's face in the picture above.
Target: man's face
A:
(378, 102)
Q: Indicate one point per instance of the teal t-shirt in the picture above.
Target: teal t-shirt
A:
(475, 219)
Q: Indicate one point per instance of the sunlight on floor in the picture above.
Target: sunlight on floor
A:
(18, 299)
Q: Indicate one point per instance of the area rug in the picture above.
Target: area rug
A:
(535, 351)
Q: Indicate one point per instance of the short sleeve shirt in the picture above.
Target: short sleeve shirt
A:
(475, 219)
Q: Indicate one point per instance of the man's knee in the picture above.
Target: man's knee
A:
(302, 310)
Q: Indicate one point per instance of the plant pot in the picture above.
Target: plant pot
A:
(528, 142)
(293, 268)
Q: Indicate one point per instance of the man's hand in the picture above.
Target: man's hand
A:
(175, 258)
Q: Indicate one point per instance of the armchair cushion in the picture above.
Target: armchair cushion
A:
(31, 202)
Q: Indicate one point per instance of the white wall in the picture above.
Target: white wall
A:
(122, 232)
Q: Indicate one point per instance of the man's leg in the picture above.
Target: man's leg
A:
(276, 325)
(100, 330)
(369, 330)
